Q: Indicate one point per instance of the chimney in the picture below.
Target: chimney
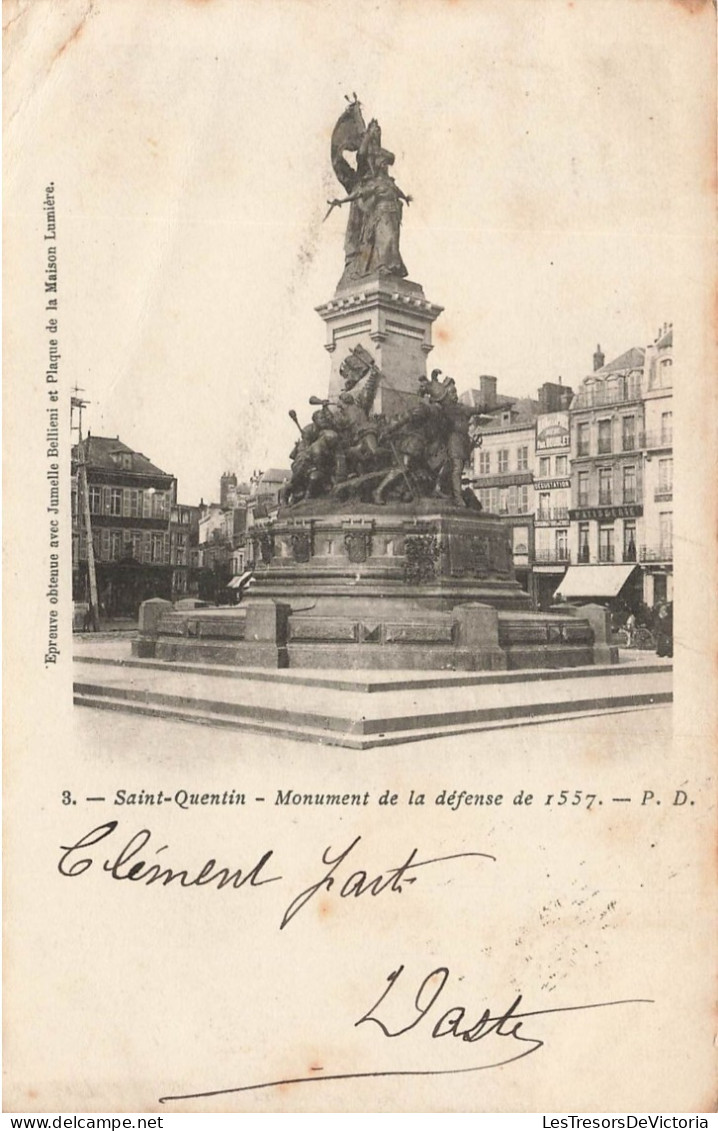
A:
(487, 388)
(227, 489)
(552, 396)
(599, 359)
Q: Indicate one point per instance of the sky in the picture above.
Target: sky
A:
(549, 149)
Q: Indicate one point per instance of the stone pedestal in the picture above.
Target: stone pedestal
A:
(392, 562)
(151, 612)
(392, 319)
(600, 620)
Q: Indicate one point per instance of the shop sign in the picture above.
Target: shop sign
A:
(605, 514)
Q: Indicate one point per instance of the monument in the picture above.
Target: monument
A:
(380, 556)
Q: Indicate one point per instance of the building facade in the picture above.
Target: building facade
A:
(130, 503)
(520, 471)
(621, 516)
(227, 543)
(655, 549)
(552, 493)
(184, 550)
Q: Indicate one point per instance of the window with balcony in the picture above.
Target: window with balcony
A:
(583, 440)
(629, 485)
(583, 548)
(605, 544)
(665, 533)
(629, 541)
(665, 476)
(604, 437)
(522, 459)
(503, 461)
(605, 487)
(544, 505)
(628, 429)
(583, 488)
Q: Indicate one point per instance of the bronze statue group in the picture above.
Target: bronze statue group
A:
(349, 452)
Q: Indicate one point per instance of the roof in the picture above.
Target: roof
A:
(99, 452)
(631, 359)
(278, 473)
(272, 478)
(476, 399)
(594, 580)
(524, 411)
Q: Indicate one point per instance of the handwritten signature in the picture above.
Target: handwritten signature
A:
(458, 1022)
(134, 862)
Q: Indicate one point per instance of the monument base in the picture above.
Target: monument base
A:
(400, 587)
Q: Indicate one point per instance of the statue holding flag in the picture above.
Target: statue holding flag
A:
(371, 244)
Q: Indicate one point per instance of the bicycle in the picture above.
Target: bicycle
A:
(643, 639)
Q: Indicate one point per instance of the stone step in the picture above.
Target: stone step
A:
(367, 680)
(347, 740)
(310, 711)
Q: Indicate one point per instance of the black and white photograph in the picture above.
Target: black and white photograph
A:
(360, 631)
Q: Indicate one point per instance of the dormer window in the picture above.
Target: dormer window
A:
(122, 459)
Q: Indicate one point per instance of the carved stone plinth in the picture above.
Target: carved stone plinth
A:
(392, 318)
(423, 586)
(394, 561)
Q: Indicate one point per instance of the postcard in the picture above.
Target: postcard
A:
(359, 751)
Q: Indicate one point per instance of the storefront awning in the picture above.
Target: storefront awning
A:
(594, 580)
(240, 579)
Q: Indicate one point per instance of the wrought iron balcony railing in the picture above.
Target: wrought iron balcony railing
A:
(656, 553)
(552, 514)
(559, 556)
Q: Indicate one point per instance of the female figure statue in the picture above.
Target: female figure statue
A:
(379, 200)
(372, 237)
